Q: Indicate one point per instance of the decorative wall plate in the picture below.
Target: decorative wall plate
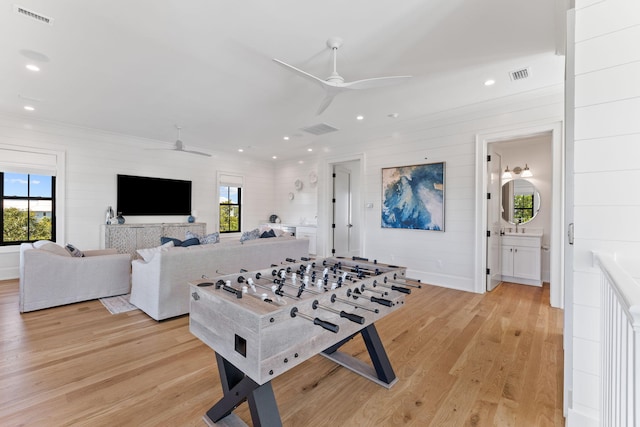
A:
(291, 196)
(298, 184)
(313, 177)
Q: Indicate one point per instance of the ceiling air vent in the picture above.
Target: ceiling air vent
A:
(319, 129)
(33, 15)
(519, 74)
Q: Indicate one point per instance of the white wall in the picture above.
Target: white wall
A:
(304, 206)
(441, 258)
(94, 158)
(607, 172)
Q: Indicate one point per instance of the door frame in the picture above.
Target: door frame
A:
(556, 241)
(496, 200)
(325, 205)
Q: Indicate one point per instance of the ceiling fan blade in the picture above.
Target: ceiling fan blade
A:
(301, 73)
(326, 102)
(375, 82)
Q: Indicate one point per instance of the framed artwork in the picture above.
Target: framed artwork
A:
(413, 197)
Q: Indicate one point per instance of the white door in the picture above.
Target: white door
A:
(345, 224)
(494, 250)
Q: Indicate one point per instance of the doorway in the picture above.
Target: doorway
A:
(555, 243)
(346, 223)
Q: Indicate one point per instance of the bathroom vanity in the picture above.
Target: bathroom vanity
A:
(521, 258)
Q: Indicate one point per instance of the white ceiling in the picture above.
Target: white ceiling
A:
(141, 67)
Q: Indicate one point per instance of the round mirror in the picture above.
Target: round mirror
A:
(520, 201)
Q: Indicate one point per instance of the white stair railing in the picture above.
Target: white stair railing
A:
(619, 344)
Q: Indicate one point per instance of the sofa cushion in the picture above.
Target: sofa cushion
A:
(40, 243)
(55, 249)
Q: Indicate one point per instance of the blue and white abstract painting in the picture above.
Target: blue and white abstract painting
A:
(413, 197)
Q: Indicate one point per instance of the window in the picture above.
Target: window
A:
(230, 211)
(522, 207)
(28, 204)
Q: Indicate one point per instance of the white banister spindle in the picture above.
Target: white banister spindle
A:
(620, 345)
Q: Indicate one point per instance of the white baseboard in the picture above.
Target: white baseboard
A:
(9, 273)
(442, 280)
(578, 419)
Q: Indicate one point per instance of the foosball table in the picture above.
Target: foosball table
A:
(263, 323)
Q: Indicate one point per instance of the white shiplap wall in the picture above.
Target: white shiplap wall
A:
(94, 158)
(441, 258)
(607, 172)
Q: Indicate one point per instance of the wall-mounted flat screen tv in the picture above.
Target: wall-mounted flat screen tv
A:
(140, 195)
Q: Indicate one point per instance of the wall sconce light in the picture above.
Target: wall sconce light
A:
(524, 173)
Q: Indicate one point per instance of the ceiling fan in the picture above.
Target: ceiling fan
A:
(180, 146)
(335, 84)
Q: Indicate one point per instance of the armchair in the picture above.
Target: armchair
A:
(50, 277)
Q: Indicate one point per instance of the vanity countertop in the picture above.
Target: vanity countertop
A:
(525, 234)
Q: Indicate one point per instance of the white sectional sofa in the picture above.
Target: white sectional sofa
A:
(50, 276)
(159, 281)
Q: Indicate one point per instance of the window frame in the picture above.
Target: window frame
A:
(229, 205)
(28, 198)
(526, 209)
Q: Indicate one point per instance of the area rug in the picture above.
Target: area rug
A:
(118, 304)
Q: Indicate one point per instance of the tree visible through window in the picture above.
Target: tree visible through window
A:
(27, 207)
(522, 207)
(230, 209)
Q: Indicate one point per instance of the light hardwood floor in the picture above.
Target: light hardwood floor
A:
(462, 359)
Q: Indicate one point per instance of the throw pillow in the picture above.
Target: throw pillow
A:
(176, 242)
(268, 234)
(55, 249)
(204, 240)
(148, 253)
(190, 242)
(210, 239)
(74, 251)
(250, 235)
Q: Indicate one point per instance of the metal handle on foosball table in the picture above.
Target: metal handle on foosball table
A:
(392, 287)
(316, 321)
(350, 316)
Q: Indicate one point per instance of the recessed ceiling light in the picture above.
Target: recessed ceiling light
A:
(394, 115)
(360, 117)
(309, 149)
(240, 150)
(286, 138)
(489, 82)
(274, 157)
(32, 67)
(29, 108)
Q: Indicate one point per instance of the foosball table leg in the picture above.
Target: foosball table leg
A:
(237, 388)
(378, 355)
(382, 372)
